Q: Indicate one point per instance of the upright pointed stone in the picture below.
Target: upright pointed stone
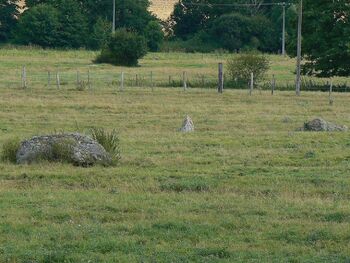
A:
(187, 125)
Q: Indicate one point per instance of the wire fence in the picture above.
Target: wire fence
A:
(94, 79)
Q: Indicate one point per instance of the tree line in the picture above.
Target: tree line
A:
(75, 23)
(195, 25)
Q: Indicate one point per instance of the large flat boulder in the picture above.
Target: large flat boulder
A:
(319, 125)
(74, 148)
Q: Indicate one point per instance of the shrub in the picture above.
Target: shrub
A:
(109, 140)
(154, 35)
(9, 150)
(123, 48)
(241, 66)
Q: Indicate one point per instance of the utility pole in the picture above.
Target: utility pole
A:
(113, 26)
(300, 21)
(284, 30)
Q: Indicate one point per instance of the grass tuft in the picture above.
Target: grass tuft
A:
(109, 140)
(9, 150)
(185, 185)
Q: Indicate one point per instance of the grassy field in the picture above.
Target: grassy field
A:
(162, 65)
(246, 186)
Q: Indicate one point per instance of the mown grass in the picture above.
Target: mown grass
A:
(244, 187)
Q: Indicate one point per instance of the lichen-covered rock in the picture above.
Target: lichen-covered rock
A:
(187, 125)
(319, 124)
(74, 148)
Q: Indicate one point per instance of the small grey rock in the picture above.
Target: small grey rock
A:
(187, 125)
(74, 148)
(320, 124)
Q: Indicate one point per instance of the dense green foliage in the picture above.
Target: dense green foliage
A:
(8, 12)
(154, 35)
(231, 27)
(123, 48)
(326, 38)
(195, 25)
(74, 23)
(241, 66)
(99, 34)
(40, 26)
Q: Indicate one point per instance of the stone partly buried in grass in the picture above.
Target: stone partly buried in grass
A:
(73, 148)
(319, 125)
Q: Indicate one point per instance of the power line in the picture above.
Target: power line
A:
(236, 5)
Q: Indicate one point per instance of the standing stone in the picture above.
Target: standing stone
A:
(187, 125)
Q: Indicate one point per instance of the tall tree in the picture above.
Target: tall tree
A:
(94, 16)
(326, 38)
(8, 20)
(130, 13)
(39, 26)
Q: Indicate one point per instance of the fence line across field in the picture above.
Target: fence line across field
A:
(93, 79)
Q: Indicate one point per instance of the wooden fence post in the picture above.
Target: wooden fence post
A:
(122, 81)
(221, 78)
(152, 81)
(58, 80)
(273, 85)
(24, 77)
(251, 83)
(89, 83)
(48, 78)
(169, 81)
(78, 78)
(330, 93)
(184, 80)
(136, 80)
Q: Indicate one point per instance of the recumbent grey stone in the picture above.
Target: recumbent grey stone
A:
(320, 124)
(74, 148)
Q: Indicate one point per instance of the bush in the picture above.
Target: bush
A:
(154, 35)
(109, 140)
(241, 66)
(9, 150)
(123, 48)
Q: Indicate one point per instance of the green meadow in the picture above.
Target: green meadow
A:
(246, 186)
